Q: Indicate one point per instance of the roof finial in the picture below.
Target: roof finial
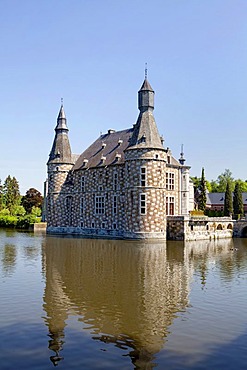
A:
(146, 71)
(61, 101)
(181, 159)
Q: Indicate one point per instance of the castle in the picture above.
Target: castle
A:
(124, 185)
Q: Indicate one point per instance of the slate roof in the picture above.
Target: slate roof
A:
(61, 120)
(174, 162)
(145, 133)
(218, 198)
(61, 151)
(107, 150)
(146, 86)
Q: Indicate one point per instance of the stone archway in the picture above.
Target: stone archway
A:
(219, 227)
(244, 232)
(229, 226)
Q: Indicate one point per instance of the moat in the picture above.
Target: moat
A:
(106, 304)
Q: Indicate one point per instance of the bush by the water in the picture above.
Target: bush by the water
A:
(18, 221)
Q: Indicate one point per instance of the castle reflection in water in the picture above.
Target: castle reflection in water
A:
(128, 293)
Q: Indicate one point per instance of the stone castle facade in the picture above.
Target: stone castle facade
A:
(124, 185)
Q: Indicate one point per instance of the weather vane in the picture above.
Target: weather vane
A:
(146, 71)
(61, 101)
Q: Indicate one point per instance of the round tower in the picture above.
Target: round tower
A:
(145, 163)
(59, 165)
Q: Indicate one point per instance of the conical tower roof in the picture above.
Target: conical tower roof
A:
(61, 151)
(146, 86)
(61, 120)
(145, 133)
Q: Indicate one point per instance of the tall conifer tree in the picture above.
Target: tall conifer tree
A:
(238, 208)
(228, 207)
(11, 193)
(202, 199)
(1, 196)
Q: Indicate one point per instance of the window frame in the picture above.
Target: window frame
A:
(143, 176)
(143, 204)
(99, 207)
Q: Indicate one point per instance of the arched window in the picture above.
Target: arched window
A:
(219, 227)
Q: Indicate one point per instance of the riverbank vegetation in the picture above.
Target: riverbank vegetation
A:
(225, 183)
(18, 211)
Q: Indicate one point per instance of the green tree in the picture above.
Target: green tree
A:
(223, 179)
(1, 196)
(19, 211)
(238, 207)
(33, 198)
(36, 211)
(202, 199)
(214, 186)
(228, 207)
(208, 186)
(196, 181)
(242, 184)
(11, 193)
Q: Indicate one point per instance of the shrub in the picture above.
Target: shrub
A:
(4, 212)
(8, 221)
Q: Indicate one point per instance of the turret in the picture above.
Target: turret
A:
(145, 161)
(145, 134)
(61, 151)
(146, 97)
(59, 166)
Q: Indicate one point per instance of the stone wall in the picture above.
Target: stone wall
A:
(199, 228)
(107, 200)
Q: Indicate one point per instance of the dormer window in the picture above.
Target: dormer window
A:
(120, 141)
(143, 138)
(118, 156)
(103, 145)
(85, 162)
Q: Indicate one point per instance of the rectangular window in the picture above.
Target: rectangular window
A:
(92, 225)
(82, 224)
(99, 205)
(114, 204)
(114, 225)
(82, 206)
(170, 206)
(170, 181)
(115, 181)
(143, 204)
(143, 176)
(82, 183)
(103, 225)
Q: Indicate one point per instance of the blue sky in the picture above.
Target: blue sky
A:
(93, 54)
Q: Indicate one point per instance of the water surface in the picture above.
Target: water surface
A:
(99, 304)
